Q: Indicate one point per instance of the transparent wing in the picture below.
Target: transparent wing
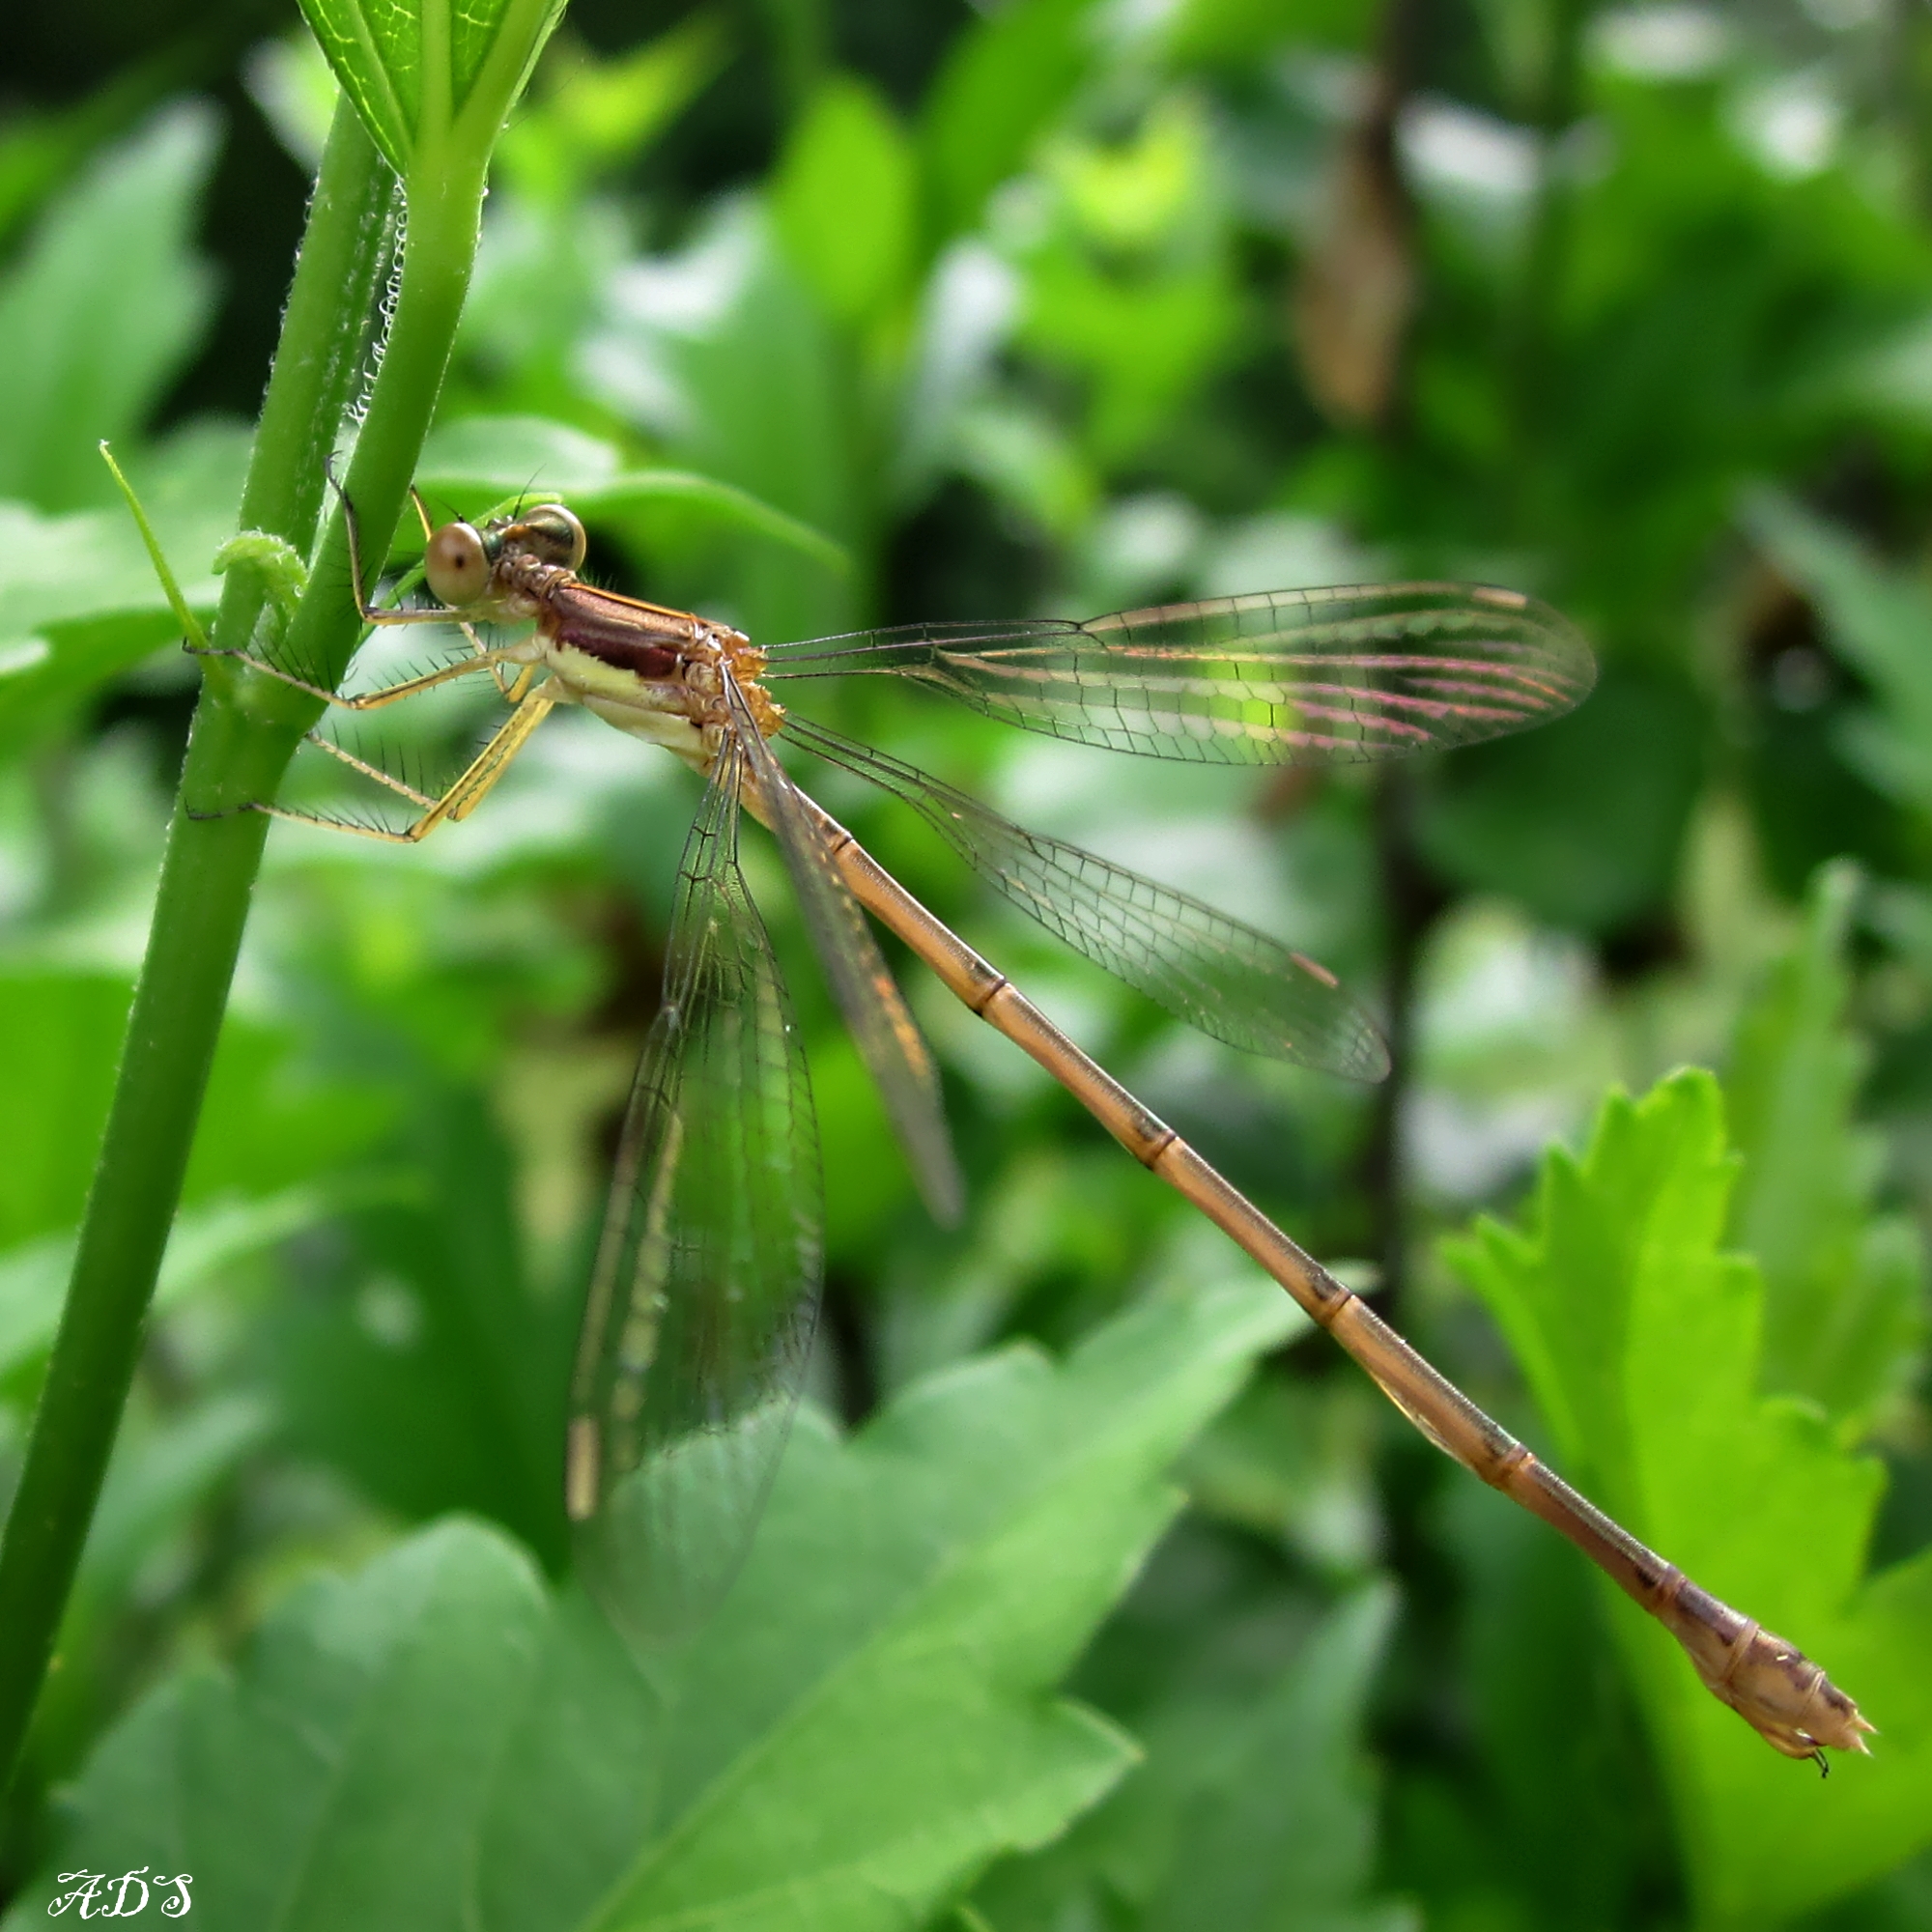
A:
(706, 1286)
(1286, 677)
(875, 1015)
(1216, 973)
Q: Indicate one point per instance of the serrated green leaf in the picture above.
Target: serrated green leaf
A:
(338, 1777)
(439, 1742)
(101, 311)
(1640, 1340)
(422, 71)
(1030, 1493)
(1843, 1292)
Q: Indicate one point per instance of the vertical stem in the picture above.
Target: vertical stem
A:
(245, 733)
(437, 259)
(1412, 900)
(321, 359)
(199, 914)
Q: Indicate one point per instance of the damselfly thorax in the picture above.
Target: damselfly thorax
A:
(654, 672)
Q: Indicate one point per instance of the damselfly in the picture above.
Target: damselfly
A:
(706, 1284)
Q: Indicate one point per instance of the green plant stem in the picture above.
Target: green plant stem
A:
(246, 728)
(322, 357)
(444, 204)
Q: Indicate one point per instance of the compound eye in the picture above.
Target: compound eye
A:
(556, 535)
(457, 565)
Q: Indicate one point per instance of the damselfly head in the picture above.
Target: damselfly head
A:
(456, 562)
(460, 559)
(549, 533)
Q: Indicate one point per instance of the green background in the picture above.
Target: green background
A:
(1042, 307)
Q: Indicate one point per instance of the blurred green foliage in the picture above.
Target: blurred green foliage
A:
(901, 1593)
(825, 315)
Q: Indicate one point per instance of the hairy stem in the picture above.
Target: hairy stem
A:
(245, 730)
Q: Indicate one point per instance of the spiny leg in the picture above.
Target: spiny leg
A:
(426, 800)
(485, 659)
(512, 692)
(373, 701)
(494, 758)
(367, 611)
(462, 798)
